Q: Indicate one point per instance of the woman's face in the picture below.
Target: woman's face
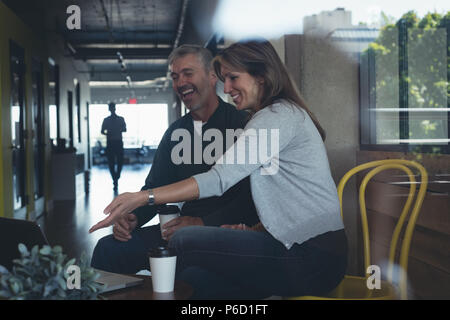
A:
(244, 89)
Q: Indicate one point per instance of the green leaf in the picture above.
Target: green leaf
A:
(57, 250)
(5, 294)
(62, 283)
(48, 288)
(23, 250)
(15, 287)
(34, 253)
(41, 274)
(53, 266)
(29, 283)
(3, 270)
(70, 262)
(46, 250)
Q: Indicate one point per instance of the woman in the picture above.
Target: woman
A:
(299, 247)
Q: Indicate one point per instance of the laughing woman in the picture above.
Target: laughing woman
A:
(300, 246)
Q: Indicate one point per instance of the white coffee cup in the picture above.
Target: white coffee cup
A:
(167, 213)
(163, 264)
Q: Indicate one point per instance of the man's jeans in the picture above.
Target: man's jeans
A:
(234, 264)
(114, 154)
(126, 257)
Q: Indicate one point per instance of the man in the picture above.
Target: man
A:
(112, 127)
(194, 82)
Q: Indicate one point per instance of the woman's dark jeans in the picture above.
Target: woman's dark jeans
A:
(222, 263)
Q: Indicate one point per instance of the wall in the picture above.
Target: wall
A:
(71, 72)
(41, 45)
(12, 28)
(328, 81)
(2, 212)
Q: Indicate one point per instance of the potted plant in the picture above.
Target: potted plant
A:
(42, 274)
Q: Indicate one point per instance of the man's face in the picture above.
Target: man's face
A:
(191, 82)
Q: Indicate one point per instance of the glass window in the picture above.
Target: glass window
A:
(404, 86)
(146, 123)
(53, 85)
(52, 121)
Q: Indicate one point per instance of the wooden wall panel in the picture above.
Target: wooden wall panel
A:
(390, 199)
(429, 259)
(426, 245)
(427, 282)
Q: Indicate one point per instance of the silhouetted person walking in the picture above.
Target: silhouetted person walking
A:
(112, 127)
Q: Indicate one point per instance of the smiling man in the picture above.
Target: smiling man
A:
(194, 81)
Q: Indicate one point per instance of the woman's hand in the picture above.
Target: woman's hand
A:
(125, 203)
(122, 205)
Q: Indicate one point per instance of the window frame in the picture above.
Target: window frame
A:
(367, 101)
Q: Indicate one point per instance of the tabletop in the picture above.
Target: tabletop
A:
(144, 291)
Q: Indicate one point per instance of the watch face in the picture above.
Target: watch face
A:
(151, 198)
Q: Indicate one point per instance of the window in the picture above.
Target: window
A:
(53, 84)
(78, 111)
(146, 123)
(404, 87)
(53, 122)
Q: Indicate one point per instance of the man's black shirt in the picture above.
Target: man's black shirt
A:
(234, 206)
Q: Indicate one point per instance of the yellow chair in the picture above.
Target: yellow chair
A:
(356, 288)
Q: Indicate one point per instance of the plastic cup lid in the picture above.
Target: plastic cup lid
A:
(161, 252)
(168, 209)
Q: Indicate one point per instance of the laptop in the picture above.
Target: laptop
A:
(14, 231)
(114, 281)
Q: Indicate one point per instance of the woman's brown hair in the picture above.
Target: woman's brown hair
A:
(259, 59)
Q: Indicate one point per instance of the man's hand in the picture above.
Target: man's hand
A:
(173, 225)
(257, 227)
(240, 226)
(124, 226)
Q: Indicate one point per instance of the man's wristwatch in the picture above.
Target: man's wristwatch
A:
(151, 197)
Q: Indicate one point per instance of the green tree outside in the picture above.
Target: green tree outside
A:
(411, 70)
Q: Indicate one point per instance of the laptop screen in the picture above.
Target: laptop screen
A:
(13, 232)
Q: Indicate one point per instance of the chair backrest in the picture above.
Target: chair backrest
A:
(379, 166)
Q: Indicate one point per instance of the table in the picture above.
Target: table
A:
(144, 291)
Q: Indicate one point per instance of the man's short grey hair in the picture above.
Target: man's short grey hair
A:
(202, 53)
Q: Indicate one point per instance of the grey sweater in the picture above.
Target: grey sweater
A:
(291, 184)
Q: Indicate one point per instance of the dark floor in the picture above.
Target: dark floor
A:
(68, 223)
